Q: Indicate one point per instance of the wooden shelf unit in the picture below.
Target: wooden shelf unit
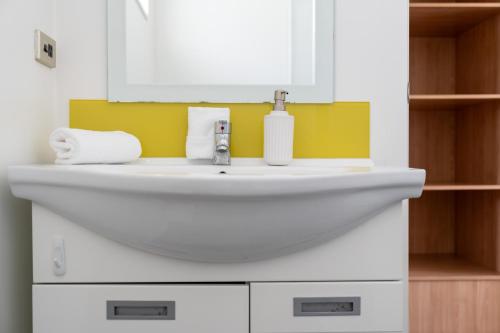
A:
(455, 135)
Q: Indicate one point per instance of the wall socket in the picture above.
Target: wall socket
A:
(45, 49)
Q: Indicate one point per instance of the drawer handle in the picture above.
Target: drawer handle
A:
(326, 306)
(140, 310)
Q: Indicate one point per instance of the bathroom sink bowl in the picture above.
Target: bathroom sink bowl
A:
(243, 212)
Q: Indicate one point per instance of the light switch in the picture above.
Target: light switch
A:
(45, 49)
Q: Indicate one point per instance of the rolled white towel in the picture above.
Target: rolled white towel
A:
(200, 141)
(77, 146)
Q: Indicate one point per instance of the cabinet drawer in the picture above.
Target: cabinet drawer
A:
(146, 309)
(326, 307)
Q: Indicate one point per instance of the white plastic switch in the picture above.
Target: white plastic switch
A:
(45, 49)
(58, 256)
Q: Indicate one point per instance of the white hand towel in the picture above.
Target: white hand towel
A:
(200, 141)
(76, 146)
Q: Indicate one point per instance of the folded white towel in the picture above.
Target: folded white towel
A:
(76, 146)
(200, 141)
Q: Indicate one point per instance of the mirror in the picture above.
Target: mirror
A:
(220, 50)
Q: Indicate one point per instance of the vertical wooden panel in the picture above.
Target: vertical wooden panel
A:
(432, 223)
(478, 59)
(487, 315)
(454, 307)
(477, 227)
(478, 144)
(432, 144)
(432, 65)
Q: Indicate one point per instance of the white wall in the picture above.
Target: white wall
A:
(26, 118)
(82, 59)
(372, 64)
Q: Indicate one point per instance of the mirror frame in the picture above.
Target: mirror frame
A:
(120, 91)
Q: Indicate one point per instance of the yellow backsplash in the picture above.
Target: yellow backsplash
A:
(338, 130)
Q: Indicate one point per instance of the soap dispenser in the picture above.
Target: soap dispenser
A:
(278, 133)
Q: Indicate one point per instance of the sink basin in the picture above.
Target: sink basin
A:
(243, 212)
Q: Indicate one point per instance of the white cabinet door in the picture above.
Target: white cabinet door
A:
(327, 307)
(144, 309)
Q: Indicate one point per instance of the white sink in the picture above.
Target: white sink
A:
(244, 212)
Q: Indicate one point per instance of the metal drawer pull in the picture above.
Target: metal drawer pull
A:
(326, 306)
(140, 310)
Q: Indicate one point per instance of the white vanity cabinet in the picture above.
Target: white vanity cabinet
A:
(140, 308)
(81, 277)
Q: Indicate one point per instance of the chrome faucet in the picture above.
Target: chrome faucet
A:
(222, 153)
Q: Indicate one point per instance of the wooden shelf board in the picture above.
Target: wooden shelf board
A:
(451, 101)
(461, 187)
(448, 19)
(447, 267)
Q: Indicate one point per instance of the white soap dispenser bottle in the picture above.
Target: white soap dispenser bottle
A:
(278, 133)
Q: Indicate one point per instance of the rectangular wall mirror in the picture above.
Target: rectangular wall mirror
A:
(220, 50)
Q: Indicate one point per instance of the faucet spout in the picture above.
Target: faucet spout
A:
(222, 153)
(222, 149)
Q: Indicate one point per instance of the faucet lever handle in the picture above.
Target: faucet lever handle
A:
(222, 127)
